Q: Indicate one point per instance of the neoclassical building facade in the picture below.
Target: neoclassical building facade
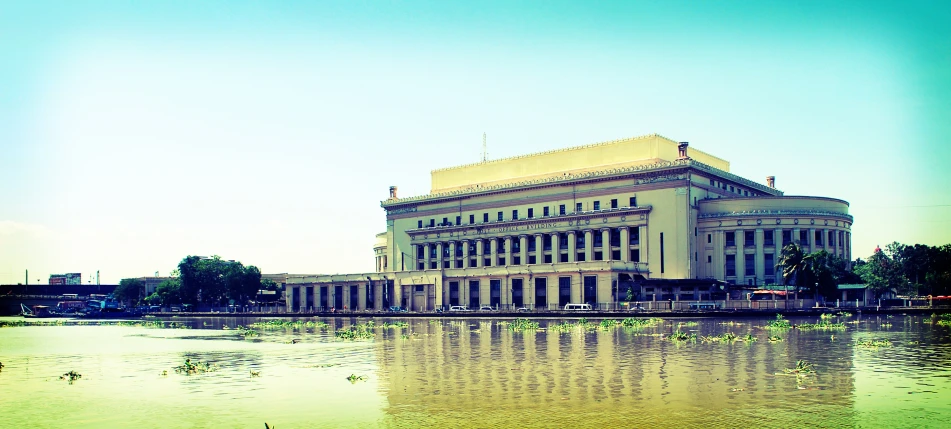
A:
(579, 225)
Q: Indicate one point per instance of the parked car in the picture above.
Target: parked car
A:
(458, 308)
(577, 307)
(397, 309)
(486, 308)
(522, 310)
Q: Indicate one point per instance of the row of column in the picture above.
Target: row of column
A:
(841, 249)
(523, 248)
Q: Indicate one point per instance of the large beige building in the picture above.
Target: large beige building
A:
(580, 225)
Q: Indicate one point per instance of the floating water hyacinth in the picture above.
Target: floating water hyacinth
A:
(189, 367)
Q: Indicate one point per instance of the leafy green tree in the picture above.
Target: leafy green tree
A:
(791, 263)
(168, 292)
(129, 291)
(882, 273)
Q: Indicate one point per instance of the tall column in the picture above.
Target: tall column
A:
(426, 254)
(758, 238)
(452, 254)
(588, 244)
(606, 244)
(625, 244)
(539, 248)
(812, 240)
(508, 251)
(795, 238)
(778, 249)
(361, 298)
(848, 246)
(377, 294)
(555, 248)
(465, 253)
(740, 259)
(480, 253)
(494, 256)
(826, 243)
(439, 247)
(523, 249)
(572, 244)
(719, 255)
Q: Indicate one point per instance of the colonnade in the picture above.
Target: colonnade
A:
(601, 244)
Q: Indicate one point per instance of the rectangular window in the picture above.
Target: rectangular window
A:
(597, 205)
(831, 238)
(578, 207)
(711, 182)
(803, 237)
(419, 223)
(709, 238)
(635, 235)
(787, 237)
(768, 238)
(750, 264)
(731, 189)
(662, 253)
(458, 220)
(709, 259)
(514, 215)
(749, 239)
(633, 202)
(531, 244)
(818, 238)
(730, 238)
(473, 294)
(500, 216)
(561, 210)
(564, 291)
(730, 265)
(485, 217)
(635, 255)
(545, 211)
(769, 265)
(432, 223)
(445, 221)
(531, 213)
(614, 203)
(471, 219)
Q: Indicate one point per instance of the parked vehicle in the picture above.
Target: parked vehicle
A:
(458, 308)
(577, 307)
(486, 308)
(397, 309)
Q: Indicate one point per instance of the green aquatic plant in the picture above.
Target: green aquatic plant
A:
(393, 325)
(873, 344)
(749, 338)
(728, 337)
(71, 376)
(821, 326)
(688, 324)
(682, 336)
(353, 378)
(631, 322)
(779, 323)
(255, 373)
(845, 314)
(826, 316)
(774, 338)
(886, 325)
(522, 325)
(355, 332)
(609, 323)
(942, 320)
(802, 367)
(199, 367)
(246, 332)
(562, 327)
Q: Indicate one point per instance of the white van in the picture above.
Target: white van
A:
(458, 308)
(577, 307)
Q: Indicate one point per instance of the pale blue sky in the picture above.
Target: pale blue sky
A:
(133, 134)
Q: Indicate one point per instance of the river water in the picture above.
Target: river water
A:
(471, 372)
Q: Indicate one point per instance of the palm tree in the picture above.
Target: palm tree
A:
(791, 262)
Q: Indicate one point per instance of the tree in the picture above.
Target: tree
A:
(169, 292)
(792, 265)
(819, 266)
(882, 273)
(130, 291)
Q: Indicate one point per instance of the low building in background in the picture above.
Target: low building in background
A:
(644, 219)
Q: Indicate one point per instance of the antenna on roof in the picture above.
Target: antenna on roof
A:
(484, 153)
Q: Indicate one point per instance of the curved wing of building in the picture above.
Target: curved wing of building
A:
(593, 224)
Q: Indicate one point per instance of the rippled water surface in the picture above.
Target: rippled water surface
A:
(458, 372)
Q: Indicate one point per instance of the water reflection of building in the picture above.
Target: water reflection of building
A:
(603, 377)
(580, 225)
